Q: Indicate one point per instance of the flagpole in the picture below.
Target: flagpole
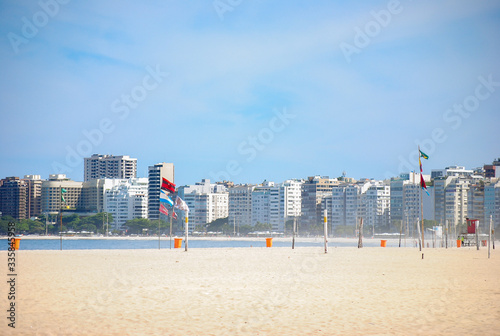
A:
(171, 214)
(159, 221)
(421, 199)
(60, 218)
(186, 239)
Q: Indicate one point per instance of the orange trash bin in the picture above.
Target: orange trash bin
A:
(459, 243)
(383, 243)
(177, 242)
(269, 242)
(14, 243)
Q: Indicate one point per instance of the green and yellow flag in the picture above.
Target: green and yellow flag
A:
(62, 195)
(422, 154)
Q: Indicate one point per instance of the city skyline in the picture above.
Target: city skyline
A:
(252, 90)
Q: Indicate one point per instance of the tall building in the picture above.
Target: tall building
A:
(100, 166)
(21, 198)
(451, 171)
(13, 197)
(313, 191)
(451, 199)
(240, 205)
(346, 203)
(52, 194)
(206, 201)
(155, 174)
(33, 195)
(375, 205)
(492, 202)
(126, 200)
(405, 201)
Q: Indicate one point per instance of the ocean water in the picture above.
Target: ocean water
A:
(125, 244)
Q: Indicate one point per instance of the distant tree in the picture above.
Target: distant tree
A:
(245, 229)
(217, 225)
(137, 225)
(262, 227)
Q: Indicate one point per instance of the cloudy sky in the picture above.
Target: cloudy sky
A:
(249, 90)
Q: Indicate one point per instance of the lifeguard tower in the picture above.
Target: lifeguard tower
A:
(472, 236)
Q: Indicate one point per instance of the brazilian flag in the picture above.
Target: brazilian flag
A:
(422, 154)
(62, 195)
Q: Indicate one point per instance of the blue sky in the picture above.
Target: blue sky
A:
(224, 76)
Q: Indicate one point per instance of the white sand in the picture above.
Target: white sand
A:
(256, 291)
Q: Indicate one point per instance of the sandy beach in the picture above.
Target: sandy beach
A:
(255, 291)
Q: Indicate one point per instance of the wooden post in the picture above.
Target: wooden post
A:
(325, 230)
(419, 236)
(293, 232)
(446, 228)
(159, 221)
(60, 229)
(360, 239)
(186, 239)
(489, 240)
(477, 234)
(400, 232)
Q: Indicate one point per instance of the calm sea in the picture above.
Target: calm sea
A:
(123, 244)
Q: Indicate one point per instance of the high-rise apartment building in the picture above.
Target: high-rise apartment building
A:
(240, 205)
(126, 200)
(451, 199)
(21, 198)
(313, 191)
(13, 197)
(155, 174)
(100, 166)
(206, 201)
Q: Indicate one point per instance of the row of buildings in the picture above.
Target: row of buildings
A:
(111, 185)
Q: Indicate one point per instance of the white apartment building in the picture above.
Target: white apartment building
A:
(276, 203)
(240, 205)
(451, 199)
(126, 200)
(346, 203)
(155, 174)
(100, 166)
(206, 201)
(376, 204)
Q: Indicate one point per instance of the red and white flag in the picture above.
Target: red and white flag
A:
(163, 210)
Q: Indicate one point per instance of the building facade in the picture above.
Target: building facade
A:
(126, 199)
(206, 201)
(100, 166)
(155, 175)
(240, 205)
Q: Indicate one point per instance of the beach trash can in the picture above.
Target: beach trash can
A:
(14, 243)
(269, 242)
(485, 242)
(459, 243)
(177, 242)
(383, 243)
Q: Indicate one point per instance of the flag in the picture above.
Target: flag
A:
(163, 210)
(165, 199)
(62, 196)
(174, 215)
(422, 154)
(167, 185)
(422, 184)
(180, 204)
